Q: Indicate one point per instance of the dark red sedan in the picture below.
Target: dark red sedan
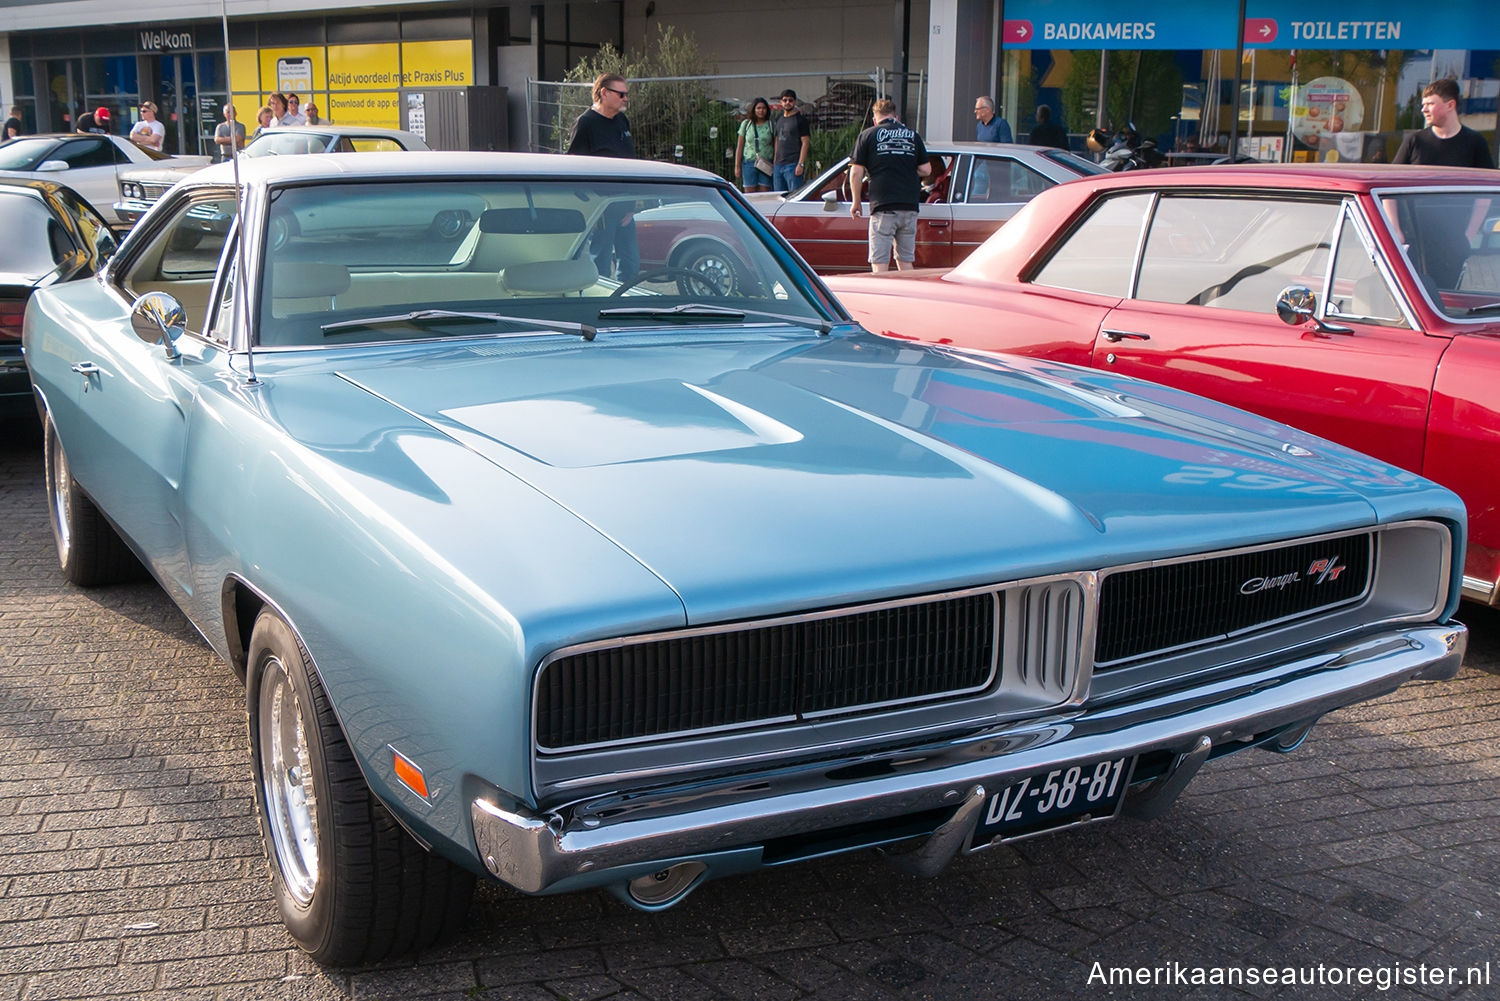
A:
(973, 189)
(1360, 303)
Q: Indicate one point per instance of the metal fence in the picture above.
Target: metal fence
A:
(695, 120)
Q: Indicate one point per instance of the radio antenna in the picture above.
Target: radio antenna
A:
(241, 292)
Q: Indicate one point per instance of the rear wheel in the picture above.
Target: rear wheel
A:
(88, 548)
(351, 885)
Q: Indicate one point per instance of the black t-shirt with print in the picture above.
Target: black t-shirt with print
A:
(891, 153)
(1466, 149)
(596, 135)
(10, 123)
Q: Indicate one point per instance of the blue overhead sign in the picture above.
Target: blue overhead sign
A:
(1105, 24)
(1371, 24)
(1269, 24)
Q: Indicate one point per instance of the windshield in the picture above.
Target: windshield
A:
(1451, 240)
(283, 143)
(380, 261)
(1074, 162)
(25, 154)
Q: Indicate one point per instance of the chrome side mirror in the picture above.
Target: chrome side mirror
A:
(159, 318)
(830, 201)
(1297, 304)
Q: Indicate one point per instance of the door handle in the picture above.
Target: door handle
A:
(85, 368)
(1116, 336)
(936, 223)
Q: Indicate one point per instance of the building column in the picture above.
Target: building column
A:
(961, 60)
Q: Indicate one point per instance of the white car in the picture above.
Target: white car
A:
(140, 188)
(89, 163)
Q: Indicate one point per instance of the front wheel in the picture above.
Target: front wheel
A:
(351, 885)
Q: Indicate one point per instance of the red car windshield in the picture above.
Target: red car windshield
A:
(1452, 241)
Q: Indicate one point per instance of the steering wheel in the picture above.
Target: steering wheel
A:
(685, 280)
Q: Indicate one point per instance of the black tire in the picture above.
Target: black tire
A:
(89, 550)
(354, 887)
(717, 264)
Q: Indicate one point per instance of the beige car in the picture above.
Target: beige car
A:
(140, 188)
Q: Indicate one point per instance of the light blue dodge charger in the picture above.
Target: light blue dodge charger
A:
(566, 577)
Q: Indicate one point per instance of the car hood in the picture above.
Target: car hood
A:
(164, 174)
(755, 476)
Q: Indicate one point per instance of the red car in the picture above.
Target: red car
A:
(973, 189)
(1360, 303)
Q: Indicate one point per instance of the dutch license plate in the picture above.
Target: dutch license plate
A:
(1074, 794)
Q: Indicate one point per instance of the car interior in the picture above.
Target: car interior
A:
(338, 255)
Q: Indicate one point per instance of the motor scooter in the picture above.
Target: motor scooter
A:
(1124, 149)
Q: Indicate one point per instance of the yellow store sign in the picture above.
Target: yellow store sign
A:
(352, 84)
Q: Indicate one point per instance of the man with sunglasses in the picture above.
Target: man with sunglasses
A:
(793, 142)
(603, 130)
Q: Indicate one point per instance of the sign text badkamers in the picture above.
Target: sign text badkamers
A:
(163, 41)
(1098, 31)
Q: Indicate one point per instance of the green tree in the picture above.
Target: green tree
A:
(661, 111)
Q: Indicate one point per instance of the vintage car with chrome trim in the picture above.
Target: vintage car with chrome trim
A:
(140, 188)
(1389, 341)
(540, 572)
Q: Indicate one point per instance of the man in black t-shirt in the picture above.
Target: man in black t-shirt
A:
(603, 130)
(896, 160)
(793, 141)
(1448, 142)
(12, 125)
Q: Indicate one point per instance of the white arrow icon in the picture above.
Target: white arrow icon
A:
(1265, 31)
(1021, 31)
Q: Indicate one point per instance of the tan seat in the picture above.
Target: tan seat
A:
(550, 277)
(313, 279)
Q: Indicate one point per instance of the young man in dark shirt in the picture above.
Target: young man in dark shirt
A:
(793, 141)
(896, 160)
(603, 130)
(12, 124)
(1448, 142)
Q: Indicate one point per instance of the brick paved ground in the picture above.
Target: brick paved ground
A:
(130, 864)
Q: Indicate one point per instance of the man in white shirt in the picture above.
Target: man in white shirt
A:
(293, 115)
(148, 131)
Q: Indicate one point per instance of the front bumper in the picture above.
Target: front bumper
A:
(610, 839)
(130, 210)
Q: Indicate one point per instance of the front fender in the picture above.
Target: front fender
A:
(421, 578)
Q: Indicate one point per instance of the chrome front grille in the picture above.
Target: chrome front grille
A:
(1008, 650)
(1146, 611)
(761, 673)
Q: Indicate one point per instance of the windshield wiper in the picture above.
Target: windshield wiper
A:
(703, 311)
(1489, 307)
(421, 315)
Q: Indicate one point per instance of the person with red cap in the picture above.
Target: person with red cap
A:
(101, 121)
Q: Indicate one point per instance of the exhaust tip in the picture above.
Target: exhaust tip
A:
(666, 886)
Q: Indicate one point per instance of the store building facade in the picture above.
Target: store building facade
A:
(1315, 79)
(361, 64)
(1295, 79)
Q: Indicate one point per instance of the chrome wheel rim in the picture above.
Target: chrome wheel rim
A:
(60, 485)
(716, 270)
(287, 782)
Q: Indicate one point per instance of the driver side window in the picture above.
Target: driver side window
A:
(183, 254)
